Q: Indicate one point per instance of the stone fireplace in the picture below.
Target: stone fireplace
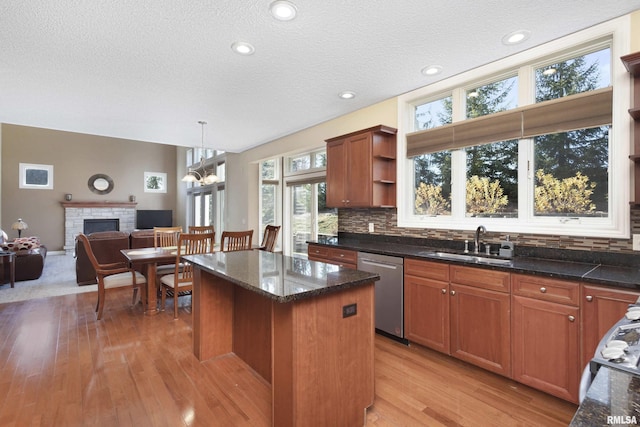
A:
(75, 214)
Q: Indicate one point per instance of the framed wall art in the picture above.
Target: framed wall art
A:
(155, 182)
(36, 176)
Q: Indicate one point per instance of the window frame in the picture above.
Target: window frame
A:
(615, 33)
(216, 190)
(277, 182)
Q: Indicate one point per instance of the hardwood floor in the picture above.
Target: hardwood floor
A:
(61, 367)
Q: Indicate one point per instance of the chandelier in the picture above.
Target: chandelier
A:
(194, 175)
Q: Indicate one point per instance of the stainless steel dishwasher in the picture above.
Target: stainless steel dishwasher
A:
(389, 290)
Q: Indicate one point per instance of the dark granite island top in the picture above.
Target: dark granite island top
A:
(305, 327)
(281, 278)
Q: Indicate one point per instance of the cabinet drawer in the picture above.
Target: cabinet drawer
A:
(542, 288)
(343, 256)
(426, 269)
(480, 278)
(317, 251)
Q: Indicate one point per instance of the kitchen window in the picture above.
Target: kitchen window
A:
(529, 148)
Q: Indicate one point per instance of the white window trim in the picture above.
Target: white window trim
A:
(617, 223)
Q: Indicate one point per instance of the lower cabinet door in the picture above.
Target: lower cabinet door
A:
(546, 346)
(426, 315)
(480, 327)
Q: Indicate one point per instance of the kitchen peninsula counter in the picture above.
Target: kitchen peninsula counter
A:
(305, 327)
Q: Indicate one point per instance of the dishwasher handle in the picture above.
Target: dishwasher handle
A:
(379, 264)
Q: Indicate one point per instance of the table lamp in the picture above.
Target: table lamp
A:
(19, 225)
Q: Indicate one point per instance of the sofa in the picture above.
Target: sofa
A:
(29, 260)
(107, 246)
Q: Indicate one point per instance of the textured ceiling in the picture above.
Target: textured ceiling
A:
(150, 69)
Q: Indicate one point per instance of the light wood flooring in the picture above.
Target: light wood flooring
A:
(61, 367)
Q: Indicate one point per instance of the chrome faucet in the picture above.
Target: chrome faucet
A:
(479, 230)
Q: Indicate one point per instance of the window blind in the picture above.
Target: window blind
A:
(583, 110)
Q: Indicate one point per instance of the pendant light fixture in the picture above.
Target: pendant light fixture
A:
(200, 174)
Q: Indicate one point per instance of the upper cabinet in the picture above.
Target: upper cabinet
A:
(361, 169)
(632, 64)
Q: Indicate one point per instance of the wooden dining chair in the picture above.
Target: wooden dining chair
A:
(166, 236)
(180, 282)
(236, 240)
(199, 229)
(116, 275)
(269, 237)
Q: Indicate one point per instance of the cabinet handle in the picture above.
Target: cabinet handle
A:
(444, 291)
(543, 290)
(589, 298)
(453, 292)
(572, 319)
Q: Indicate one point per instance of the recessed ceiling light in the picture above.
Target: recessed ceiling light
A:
(432, 70)
(516, 37)
(243, 48)
(283, 10)
(347, 94)
(549, 71)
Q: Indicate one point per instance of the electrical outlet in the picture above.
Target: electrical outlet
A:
(371, 228)
(636, 242)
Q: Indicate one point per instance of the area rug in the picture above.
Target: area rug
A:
(58, 278)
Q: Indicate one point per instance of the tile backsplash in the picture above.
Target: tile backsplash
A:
(386, 224)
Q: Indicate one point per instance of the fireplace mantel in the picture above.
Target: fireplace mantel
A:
(99, 204)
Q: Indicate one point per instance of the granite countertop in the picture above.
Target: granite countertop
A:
(587, 268)
(279, 277)
(613, 393)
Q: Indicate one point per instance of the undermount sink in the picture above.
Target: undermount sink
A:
(469, 258)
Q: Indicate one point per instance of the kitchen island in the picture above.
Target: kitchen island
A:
(305, 327)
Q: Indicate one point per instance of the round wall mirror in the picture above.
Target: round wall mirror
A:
(100, 183)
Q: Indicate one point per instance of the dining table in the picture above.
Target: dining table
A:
(150, 258)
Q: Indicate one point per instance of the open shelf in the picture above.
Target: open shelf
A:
(632, 63)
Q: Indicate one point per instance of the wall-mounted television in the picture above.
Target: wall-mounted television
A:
(146, 219)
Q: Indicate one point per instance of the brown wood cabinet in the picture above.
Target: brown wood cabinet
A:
(632, 64)
(337, 256)
(601, 308)
(460, 311)
(538, 330)
(480, 323)
(545, 328)
(426, 303)
(361, 169)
